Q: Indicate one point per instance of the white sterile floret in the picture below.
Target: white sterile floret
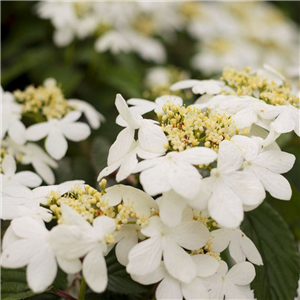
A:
(77, 238)
(172, 288)
(151, 137)
(19, 201)
(175, 171)
(92, 115)
(126, 238)
(143, 106)
(211, 86)
(245, 110)
(57, 131)
(267, 165)
(123, 152)
(11, 113)
(32, 248)
(41, 162)
(141, 202)
(231, 188)
(10, 177)
(240, 246)
(232, 284)
(168, 242)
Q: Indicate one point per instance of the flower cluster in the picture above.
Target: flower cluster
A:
(201, 166)
(224, 33)
(54, 118)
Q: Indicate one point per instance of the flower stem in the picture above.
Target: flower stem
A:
(82, 289)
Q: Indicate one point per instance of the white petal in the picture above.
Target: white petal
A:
(235, 292)
(184, 84)
(230, 158)
(275, 184)
(128, 165)
(95, 271)
(276, 161)
(71, 117)
(28, 178)
(171, 208)
(248, 146)
(152, 138)
(72, 217)
(37, 131)
(152, 249)
(247, 186)
(221, 239)
(121, 146)
(225, 207)
(125, 112)
(169, 289)
(206, 265)
(151, 278)
(241, 274)
(18, 254)
(75, 131)
(178, 262)
(191, 235)
(185, 179)
(195, 290)
(156, 179)
(250, 250)
(44, 171)
(235, 249)
(285, 122)
(69, 266)
(17, 132)
(104, 225)
(9, 166)
(110, 169)
(56, 144)
(198, 155)
(28, 228)
(41, 270)
(9, 237)
(154, 227)
(124, 246)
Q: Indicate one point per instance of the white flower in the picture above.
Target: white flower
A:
(172, 288)
(79, 238)
(33, 249)
(19, 201)
(267, 166)
(167, 242)
(127, 237)
(175, 171)
(233, 283)
(124, 150)
(231, 189)
(41, 162)
(212, 87)
(240, 246)
(10, 177)
(141, 202)
(143, 106)
(11, 114)
(57, 131)
(92, 115)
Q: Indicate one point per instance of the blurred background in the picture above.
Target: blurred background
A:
(98, 49)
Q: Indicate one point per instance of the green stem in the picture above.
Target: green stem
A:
(82, 289)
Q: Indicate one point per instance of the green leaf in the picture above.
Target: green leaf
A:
(82, 170)
(119, 281)
(99, 153)
(278, 278)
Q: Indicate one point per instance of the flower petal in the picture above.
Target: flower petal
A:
(9, 166)
(37, 131)
(17, 132)
(178, 262)
(206, 265)
(56, 144)
(195, 290)
(169, 288)
(241, 274)
(152, 249)
(95, 270)
(69, 266)
(75, 131)
(28, 178)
